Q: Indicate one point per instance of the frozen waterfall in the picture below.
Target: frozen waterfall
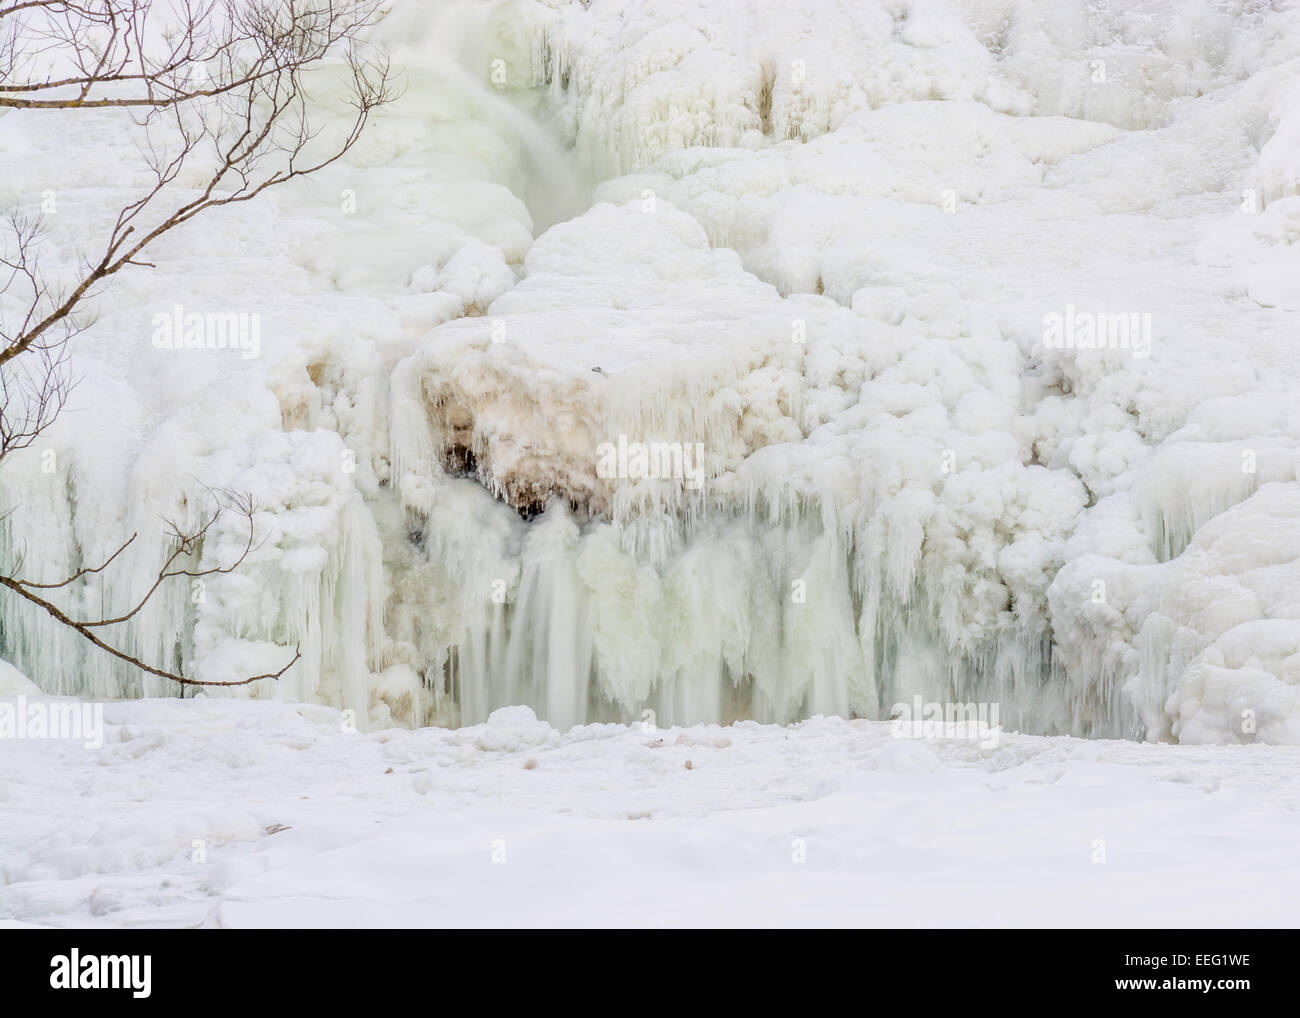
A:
(692, 358)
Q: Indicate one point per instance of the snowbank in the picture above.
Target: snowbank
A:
(196, 813)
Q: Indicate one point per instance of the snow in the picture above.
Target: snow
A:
(821, 243)
(15, 683)
(225, 813)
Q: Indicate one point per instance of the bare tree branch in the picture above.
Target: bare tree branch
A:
(264, 122)
(208, 47)
(187, 543)
(213, 85)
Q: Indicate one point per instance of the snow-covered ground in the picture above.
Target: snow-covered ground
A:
(246, 813)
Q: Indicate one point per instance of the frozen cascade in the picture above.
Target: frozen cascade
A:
(485, 51)
(813, 264)
(763, 594)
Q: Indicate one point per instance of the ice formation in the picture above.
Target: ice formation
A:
(805, 252)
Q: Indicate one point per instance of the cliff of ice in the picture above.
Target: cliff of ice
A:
(812, 249)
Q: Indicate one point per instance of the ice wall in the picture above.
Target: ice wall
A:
(805, 254)
(641, 79)
(920, 185)
(798, 568)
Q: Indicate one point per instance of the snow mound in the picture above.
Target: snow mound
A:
(15, 683)
(511, 729)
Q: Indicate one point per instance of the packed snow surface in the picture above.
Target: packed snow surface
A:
(225, 813)
(725, 360)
